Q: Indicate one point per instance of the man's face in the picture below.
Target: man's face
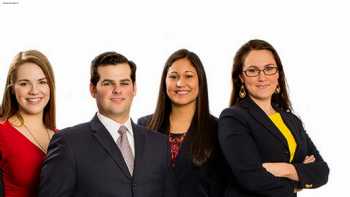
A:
(114, 91)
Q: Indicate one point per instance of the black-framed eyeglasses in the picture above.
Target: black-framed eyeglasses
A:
(254, 71)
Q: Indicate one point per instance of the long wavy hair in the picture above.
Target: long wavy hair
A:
(10, 106)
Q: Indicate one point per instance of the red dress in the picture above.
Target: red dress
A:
(20, 163)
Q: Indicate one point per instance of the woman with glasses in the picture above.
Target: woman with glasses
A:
(266, 146)
(27, 123)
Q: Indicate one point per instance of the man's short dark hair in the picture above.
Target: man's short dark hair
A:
(110, 58)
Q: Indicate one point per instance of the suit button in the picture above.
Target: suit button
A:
(308, 185)
(134, 185)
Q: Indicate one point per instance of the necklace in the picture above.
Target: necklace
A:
(36, 140)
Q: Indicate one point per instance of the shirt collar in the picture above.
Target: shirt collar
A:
(113, 126)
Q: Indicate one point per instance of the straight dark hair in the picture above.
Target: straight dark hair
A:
(280, 99)
(202, 138)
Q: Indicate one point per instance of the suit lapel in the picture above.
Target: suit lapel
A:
(291, 124)
(139, 137)
(259, 115)
(106, 141)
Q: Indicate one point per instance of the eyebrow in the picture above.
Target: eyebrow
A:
(109, 80)
(23, 80)
(184, 72)
(264, 65)
(125, 80)
(121, 80)
(44, 78)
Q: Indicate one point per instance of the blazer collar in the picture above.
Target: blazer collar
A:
(183, 161)
(291, 123)
(260, 116)
(106, 141)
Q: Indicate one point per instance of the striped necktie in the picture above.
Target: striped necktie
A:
(125, 149)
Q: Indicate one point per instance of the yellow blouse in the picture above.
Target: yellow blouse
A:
(277, 120)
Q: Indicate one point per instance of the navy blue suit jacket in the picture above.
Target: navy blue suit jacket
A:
(84, 161)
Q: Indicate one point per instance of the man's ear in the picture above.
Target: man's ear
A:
(93, 90)
(135, 88)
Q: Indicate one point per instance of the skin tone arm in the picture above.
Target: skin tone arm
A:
(287, 170)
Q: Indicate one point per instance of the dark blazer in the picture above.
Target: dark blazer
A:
(84, 161)
(249, 138)
(207, 180)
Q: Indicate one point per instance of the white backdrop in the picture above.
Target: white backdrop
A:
(312, 38)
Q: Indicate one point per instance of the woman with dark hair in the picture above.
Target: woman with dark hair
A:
(265, 144)
(182, 113)
(27, 123)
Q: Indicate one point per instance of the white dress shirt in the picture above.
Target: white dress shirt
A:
(113, 127)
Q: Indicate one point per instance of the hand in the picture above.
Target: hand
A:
(309, 159)
(287, 170)
(281, 169)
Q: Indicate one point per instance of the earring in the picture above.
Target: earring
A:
(242, 92)
(278, 89)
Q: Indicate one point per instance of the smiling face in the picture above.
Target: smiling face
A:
(114, 91)
(262, 86)
(31, 89)
(182, 84)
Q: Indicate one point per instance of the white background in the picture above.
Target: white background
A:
(312, 38)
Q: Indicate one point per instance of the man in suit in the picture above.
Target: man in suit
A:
(110, 155)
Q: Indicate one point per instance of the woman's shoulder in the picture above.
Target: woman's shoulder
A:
(5, 126)
(213, 120)
(3, 123)
(235, 110)
(144, 120)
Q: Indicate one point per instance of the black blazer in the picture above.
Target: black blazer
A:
(207, 180)
(84, 161)
(249, 138)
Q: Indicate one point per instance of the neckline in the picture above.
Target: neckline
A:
(274, 114)
(177, 134)
(25, 138)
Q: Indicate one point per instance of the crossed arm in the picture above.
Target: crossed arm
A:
(287, 170)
